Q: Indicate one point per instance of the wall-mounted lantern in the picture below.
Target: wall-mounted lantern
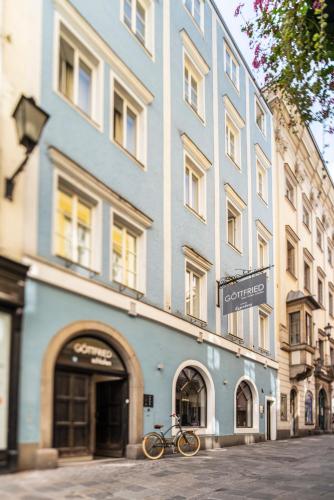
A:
(30, 120)
(328, 329)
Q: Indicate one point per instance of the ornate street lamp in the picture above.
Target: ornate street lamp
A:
(30, 120)
(328, 329)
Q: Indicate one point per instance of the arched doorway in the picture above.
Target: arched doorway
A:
(322, 409)
(90, 399)
(293, 412)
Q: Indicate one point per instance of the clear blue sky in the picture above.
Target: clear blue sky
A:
(227, 8)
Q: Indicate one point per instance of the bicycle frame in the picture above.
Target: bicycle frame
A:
(169, 442)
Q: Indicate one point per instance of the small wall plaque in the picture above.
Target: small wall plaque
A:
(148, 400)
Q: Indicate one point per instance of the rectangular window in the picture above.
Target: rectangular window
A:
(232, 141)
(308, 329)
(137, 15)
(193, 293)
(261, 181)
(74, 226)
(306, 217)
(294, 328)
(234, 324)
(194, 187)
(319, 238)
(124, 255)
(233, 226)
(289, 191)
(78, 73)
(330, 303)
(260, 116)
(231, 67)
(196, 10)
(307, 276)
(263, 331)
(262, 252)
(329, 256)
(332, 356)
(127, 123)
(284, 407)
(193, 86)
(321, 351)
(320, 291)
(290, 252)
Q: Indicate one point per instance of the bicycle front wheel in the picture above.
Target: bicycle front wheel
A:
(153, 445)
(188, 444)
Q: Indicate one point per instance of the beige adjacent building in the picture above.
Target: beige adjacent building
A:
(304, 279)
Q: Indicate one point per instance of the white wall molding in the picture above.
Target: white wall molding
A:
(55, 275)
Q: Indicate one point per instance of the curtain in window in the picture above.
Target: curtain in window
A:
(191, 398)
(244, 405)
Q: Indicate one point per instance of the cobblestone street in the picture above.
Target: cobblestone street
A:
(294, 469)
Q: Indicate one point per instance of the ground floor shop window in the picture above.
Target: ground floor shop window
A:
(5, 339)
(308, 408)
(191, 398)
(244, 405)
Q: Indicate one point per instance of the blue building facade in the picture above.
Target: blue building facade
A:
(154, 181)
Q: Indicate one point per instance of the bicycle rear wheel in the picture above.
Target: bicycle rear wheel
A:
(153, 445)
(188, 444)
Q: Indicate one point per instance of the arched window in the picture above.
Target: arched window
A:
(191, 400)
(244, 404)
(308, 408)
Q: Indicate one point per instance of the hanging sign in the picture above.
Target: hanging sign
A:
(245, 294)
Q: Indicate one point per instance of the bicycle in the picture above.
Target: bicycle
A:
(186, 442)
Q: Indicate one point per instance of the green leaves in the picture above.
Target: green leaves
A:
(293, 43)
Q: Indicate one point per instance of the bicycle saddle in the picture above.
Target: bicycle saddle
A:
(158, 426)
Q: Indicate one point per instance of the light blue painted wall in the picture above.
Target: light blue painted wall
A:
(48, 310)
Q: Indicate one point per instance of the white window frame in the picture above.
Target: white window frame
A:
(148, 5)
(193, 72)
(197, 66)
(321, 279)
(200, 25)
(258, 104)
(255, 399)
(210, 396)
(238, 243)
(96, 226)
(321, 233)
(261, 169)
(195, 169)
(330, 254)
(263, 343)
(200, 266)
(139, 231)
(261, 241)
(90, 59)
(306, 209)
(228, 50)
(139, 109)
(231, 125)
(230, 324)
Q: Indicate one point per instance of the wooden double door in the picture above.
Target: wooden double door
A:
(90, 414)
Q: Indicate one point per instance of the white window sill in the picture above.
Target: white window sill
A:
(196, 214)
(239, 252)
(142, 45)
(89, 119)
(194, 110)
(246, 430)
(129, 155)
(235, 164)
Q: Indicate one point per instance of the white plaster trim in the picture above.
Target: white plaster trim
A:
(234, 197)
(210, 397)
(72, 16)
(167, 216)
(263, 230)
(255, 396)
(79, 174)
(195, 152)
(264, 160)
(216, 162)
(232, 111)
(194, 54)
(66, 279)
(250, 215)
(196, 258)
